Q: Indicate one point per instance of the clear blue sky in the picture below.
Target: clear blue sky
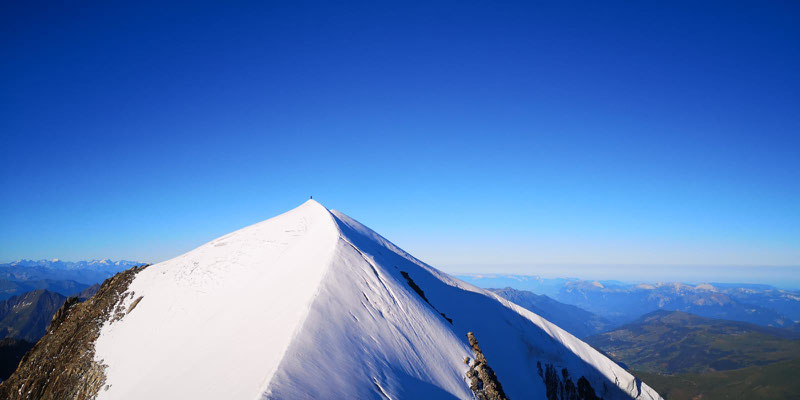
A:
(473, 134)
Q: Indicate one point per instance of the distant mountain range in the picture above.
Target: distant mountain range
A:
(574, 320)
(10, 288)
(621, 302)
(26, 316)
(64, 277)
(686, 356)
(85, 272)
(536, 284)
(58, 264)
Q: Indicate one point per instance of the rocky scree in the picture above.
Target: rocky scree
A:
(61, 365)
(483, 380)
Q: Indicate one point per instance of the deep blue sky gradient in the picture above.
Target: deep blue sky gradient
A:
(473, 134)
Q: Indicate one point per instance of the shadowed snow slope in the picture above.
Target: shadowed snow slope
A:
(312, 304)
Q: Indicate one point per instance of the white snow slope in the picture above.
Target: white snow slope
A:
(312, 304)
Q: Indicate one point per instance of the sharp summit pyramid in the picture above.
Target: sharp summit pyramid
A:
(307, 305)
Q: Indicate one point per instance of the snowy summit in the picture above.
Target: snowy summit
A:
(313, 304)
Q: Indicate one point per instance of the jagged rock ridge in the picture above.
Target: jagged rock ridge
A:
(483, 381)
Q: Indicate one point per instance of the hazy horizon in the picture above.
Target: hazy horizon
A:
(782, 277)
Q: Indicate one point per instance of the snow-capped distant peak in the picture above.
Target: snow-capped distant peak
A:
(58, 264)
(705, 286)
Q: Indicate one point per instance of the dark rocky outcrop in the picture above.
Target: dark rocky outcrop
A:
(421, 293)
(483, 380)
(61, 365)
(559, 386)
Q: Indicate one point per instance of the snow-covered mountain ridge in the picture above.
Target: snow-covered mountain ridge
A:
(312, 304)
